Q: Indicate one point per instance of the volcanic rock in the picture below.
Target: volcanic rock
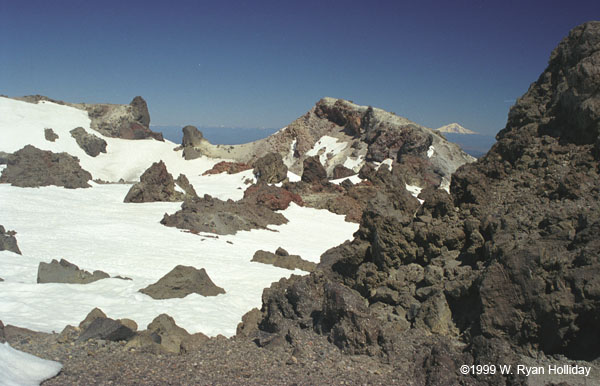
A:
(50, 135)
(184, 184)
(91, 316)
(182, 281)
(90, 143)
(340, 171)
(283, 260)
(192, 138)
(156, 184)
(208, 214)
(106, 329)
(2, 335)
(227, 167)
(270, 169)
(270, 196)
(32, 167)
(65, 272)
(313, 171)
(8, 241)
(172, 337)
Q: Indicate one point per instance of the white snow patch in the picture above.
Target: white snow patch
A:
(18, 368)
(94, 229)
(415, 190)
(289, 158)
(179, 189)
(445, 184)
(327, 146)
(23, 123)
(387, 161)
(430, 151)
(353, 163)
(293, 177)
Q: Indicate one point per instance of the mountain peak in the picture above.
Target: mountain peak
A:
(455, 128)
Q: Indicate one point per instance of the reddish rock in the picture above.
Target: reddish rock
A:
(227, 167)
(272, 197)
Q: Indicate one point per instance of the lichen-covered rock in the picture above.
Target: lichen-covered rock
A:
(65, 272)
(270, 169)
(90, 143)
(32, 167)
(182, 281)
(156, 184)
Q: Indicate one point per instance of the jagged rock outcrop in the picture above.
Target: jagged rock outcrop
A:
(208, 214)
(50, 135)
(281, 258)
(64, 272)
(183, 182)
(90, 143)
(270, 169)
(182, 281)
(270, 196)
(192, 140)
(8, 241)
(506, 265)
(32, 167)
(156, 184)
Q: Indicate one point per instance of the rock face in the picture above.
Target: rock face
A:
(270, 169)
(8, 241)
(156, 184)
(182, 281)
(506, 265)
(208, 214)
(90, 143)
(192, 140)
(281, 258)
(32, 167)
(50, 135)
(313, 171)
(65, 272)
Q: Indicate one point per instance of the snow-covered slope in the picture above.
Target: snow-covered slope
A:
(454, 128)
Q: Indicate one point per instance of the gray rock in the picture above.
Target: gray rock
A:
(8, 241)
(91, 144)
(2, 335)
(106, 329)
(182, 281)
(184, 184)
(192, 137)
(270, 169)
(65, 272)
(313, 171)
(283, 260)
(50, 135)
(156, 184)
(93, 315)
(32, 167)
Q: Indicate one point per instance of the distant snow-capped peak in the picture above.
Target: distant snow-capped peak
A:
(455, 128)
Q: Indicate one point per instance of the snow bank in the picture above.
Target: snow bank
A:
(326, 145)
(18, 368)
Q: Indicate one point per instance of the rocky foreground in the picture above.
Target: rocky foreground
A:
(503, 270)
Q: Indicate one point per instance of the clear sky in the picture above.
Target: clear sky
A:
(265, 63)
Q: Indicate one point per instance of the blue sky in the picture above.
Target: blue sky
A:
(265, 63)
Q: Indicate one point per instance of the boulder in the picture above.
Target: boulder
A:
(283, 260)
(50, 135)
(227, 167)
(106, 329)
(182, 281)
(93, 315)
(90, 143)
(340, 171)
(156, 184)
(173, 338)
(208, 214)
(8, 241)
(270, 196)
(32, 167)
(65, 272)
(313, 171)
(270, 169)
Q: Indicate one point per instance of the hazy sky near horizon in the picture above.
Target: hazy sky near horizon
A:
(265, 63)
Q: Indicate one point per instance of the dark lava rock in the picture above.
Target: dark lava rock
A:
(65, 272)
(270, 196)
(90, 143)
(270, 169)
(8, 241)
(140, 111)
(182, 281)
(340, 171)
(227, 167)
(50, 135)
(106, 329)
(156, 184)
(208, 214)
(184, 184)
(283, 260)
(32, 167)
(313, 170)
(507, 265)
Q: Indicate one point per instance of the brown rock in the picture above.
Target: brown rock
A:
(182, 281)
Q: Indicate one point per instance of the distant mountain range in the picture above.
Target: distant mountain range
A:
(454, 128)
